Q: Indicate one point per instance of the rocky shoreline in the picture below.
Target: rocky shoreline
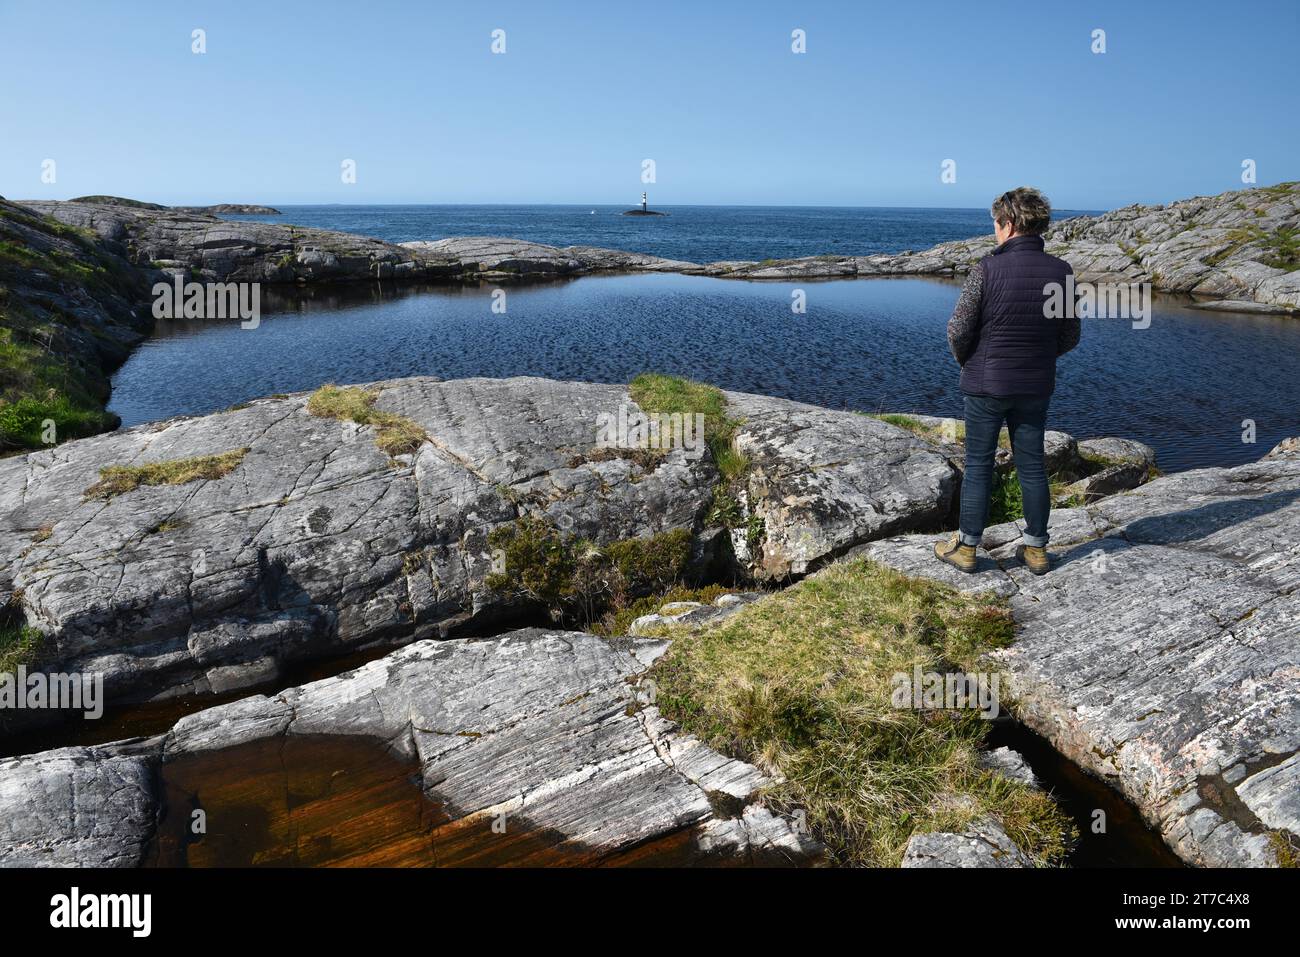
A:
(204, 555)
(1157, 655)
(320, 542)
(1236, 251)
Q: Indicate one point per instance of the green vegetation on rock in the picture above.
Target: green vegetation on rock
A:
(801, 684)
(19, 645)
(1281, 247)
(575, 578)
(118, 479)
(922, 430)
(1005, 503)
(56, 284)
(396, 434)
(1287, 848)
(669, 394)
(37, 389)
(618, 622)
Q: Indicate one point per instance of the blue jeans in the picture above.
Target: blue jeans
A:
(1026, 419)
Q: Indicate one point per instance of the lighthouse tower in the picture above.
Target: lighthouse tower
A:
(643, 202)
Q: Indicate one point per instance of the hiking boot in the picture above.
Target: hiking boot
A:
(1035, 559)
(956, 554)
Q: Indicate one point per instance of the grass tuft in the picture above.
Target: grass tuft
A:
(118, 479)
(19, 645)
(1005, 503)
(928, 433)
(395, 434)
(801, 683)
(669, 394)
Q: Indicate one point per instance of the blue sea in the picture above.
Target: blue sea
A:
(692, 233)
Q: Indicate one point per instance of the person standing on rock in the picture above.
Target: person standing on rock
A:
(1007, 347)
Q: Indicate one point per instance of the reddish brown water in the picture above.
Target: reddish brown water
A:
(337, 801)
(295, 802)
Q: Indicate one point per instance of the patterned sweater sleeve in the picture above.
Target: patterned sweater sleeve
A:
(964, 326)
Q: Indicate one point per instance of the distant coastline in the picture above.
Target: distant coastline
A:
(1235, 251)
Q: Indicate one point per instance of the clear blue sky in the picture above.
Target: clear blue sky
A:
(586, 90)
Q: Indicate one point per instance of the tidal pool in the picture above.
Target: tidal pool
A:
(1185, 386)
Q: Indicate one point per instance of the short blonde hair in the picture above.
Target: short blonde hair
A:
(1025, 208)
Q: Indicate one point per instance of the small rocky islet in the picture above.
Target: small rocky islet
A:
(1159, 655)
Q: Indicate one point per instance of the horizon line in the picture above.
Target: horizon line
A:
(634, 205)
(175, 205)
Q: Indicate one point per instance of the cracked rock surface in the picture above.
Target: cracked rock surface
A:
(317, 543)
(1161, 651)
(821, 481)
(544, 730)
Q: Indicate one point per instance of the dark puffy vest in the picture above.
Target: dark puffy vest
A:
(1015, 353)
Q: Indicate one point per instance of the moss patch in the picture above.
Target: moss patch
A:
(577, 579)
(119, 479)
(395, 434)
(801, 683)
(1287, 848)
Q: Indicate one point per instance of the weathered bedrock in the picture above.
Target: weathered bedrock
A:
(208, 248)
(318, 543)
(534, 748)
(1231, 250)
(1162, 653)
